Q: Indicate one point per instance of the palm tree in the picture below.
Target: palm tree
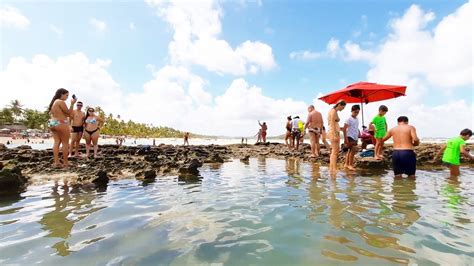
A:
(17, 109)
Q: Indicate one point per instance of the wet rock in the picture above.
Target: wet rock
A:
(102, 178)
(23, 147)
(372, 163)
(217, 159)
(245, 159)
(1, 165)
(3, 147)
(11, 180)
(149, 174)
(190, 168)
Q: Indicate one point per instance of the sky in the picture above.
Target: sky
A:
(216, 67)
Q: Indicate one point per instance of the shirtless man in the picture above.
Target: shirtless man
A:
(77, 122)
(314, 124)
(404, 140)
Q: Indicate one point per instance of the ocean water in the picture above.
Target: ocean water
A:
(265, 212)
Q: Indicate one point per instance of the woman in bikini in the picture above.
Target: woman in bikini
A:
(288, 132)
(334, 134)
(92, 124)
(59, 125)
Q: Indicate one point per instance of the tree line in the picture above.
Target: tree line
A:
(15, 113)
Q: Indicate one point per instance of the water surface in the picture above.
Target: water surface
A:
(266, 212)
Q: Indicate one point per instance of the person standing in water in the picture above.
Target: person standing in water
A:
(334, 134)
(404, 141)
(77, 122)
(92, 124)
(314, 124)
(380, 124)
(288, 132)
(452, 152)
(59, 125)
(351, 135)
(186, 138)
(264, 128)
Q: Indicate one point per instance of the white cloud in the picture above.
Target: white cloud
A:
(443, 57)
(196, 39)
(98, 24)
(427, 61)
(332, 50)
(131, 26)
(11, 17)
(34, 82)
(56, 29)
(177, 98)
(305, 55)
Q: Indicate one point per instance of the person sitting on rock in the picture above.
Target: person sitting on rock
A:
(453, 150)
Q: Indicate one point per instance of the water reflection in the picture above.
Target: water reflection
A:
(294, 214)
(61, 219)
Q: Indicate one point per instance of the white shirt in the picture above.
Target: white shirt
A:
(294, 123)
(352, 128)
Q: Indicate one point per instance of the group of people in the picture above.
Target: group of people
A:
(404, 139)
(69, 125)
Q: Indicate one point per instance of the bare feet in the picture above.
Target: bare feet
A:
(352, 168)
(58, 165)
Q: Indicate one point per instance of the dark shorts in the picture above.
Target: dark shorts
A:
(352, 142)
(296, 133)
(77, 129)
(404, 162)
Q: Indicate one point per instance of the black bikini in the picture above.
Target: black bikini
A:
(91, 132)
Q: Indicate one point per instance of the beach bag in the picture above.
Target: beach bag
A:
(367, 153)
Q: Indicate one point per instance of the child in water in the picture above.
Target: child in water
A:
(380, 125)
(453, 150)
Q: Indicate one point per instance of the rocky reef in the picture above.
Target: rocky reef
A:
(23, 165)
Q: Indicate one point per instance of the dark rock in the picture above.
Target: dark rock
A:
(24, 158)
(102, 178)
(23, 147)
(12, 180)
(217, 159)
(371, 163)
(245, 159)
(3, 147)
(1, 165)
(191, 167)
(149, 174)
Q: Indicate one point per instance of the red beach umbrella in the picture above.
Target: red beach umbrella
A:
(365, 92)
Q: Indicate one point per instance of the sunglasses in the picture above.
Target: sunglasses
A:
(90, 110)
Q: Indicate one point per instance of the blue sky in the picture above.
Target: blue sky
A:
(285, 26)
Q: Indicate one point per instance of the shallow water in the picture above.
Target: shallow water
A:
(265, 212)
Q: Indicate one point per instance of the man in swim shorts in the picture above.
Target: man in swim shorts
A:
(404, 141)
(314, 124)
(77, 122)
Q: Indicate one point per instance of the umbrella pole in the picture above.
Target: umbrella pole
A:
(362, 107)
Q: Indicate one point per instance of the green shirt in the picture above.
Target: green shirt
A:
(380, 126)
(452, 153)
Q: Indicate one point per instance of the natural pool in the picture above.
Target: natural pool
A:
(266, 212)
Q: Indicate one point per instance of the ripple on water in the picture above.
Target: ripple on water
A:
(264, 212)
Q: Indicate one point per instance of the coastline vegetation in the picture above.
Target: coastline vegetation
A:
(15, 114)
